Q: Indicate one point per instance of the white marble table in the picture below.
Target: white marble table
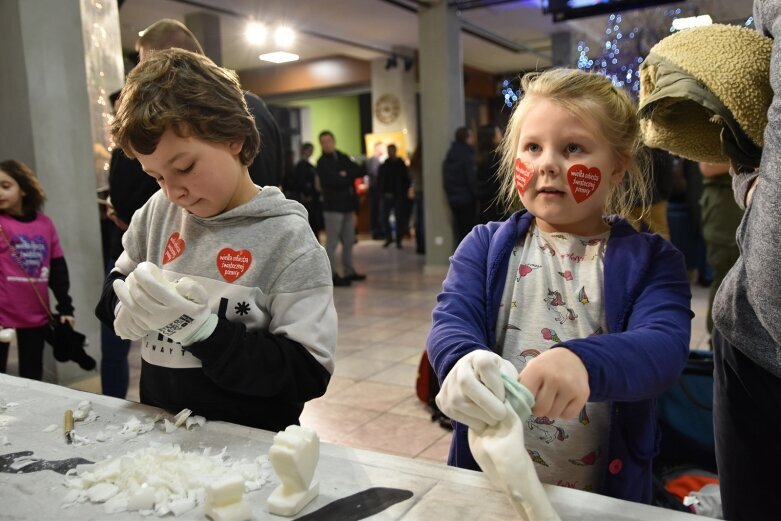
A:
(438, 492)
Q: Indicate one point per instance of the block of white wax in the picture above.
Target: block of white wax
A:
(294, 455)
(238, 511)
(225, 491)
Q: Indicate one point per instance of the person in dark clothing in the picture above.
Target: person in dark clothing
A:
(489, 184)
(337, 174)
(394, 182)
(266, 169)
(416, 173)
(459, 175)
(300, 184)
(660, 188)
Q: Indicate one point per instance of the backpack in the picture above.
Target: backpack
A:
(427, 388)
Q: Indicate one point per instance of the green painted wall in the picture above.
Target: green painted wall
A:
(338, 114)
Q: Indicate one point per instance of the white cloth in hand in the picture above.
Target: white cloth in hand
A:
(500, 451)
(473, 392)
(176, 310)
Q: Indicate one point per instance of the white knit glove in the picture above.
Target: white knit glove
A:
(473, 391)
(176, 310)
(125, 326)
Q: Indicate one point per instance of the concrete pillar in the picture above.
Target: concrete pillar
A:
(60, 61)
(206, 28)
(563, 54)
(442, 112)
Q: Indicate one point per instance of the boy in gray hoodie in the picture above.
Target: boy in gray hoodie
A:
(223, 282)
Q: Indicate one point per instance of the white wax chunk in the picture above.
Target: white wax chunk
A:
(294, 455)
(102, 492)
(238, 511)
(224, 491)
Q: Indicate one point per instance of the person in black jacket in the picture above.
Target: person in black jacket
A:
(394, 182)
(300, 184)
(266, 169)
(459, 175)
(337, 174)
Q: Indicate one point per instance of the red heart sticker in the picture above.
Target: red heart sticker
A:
(173, 248)
(233, 264)
(583, 181)
(523, 175)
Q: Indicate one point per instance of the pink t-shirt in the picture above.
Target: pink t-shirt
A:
(36, 244)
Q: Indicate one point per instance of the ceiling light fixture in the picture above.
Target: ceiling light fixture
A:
(255, 33)
(278, 57)
(284, 36)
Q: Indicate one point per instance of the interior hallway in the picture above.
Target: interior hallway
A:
(383, 323)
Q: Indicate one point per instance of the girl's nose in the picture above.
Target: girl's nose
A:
(547, 164)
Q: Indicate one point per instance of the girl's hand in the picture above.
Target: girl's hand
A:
(559, 382)
(69, 319)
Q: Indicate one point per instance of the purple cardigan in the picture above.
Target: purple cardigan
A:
(647, 306)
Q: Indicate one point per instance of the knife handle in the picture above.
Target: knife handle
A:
(68, 422)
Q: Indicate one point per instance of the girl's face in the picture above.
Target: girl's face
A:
(11, 195)
(564, 170)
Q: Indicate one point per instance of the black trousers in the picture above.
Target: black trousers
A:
(747, 422)
(464, 219)
(30, 349)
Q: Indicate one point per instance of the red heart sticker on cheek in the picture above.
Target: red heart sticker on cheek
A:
(523, 175)
(173, 248)
(233, 264)
(583, 181)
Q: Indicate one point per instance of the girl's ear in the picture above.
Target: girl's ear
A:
(622, 164)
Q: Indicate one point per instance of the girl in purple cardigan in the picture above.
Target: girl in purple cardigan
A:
(590, 315)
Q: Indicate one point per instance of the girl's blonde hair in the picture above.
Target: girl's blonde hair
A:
(589, 97)
(34, 196)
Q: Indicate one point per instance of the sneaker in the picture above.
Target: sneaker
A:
(356, 276)
(342, 281)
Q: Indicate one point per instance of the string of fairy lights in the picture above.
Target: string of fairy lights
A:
(620, 53)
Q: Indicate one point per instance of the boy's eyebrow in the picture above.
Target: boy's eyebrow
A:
(167, 163)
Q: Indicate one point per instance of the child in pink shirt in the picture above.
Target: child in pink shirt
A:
(31, 262)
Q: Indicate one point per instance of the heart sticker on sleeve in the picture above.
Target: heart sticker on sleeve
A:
(232, 264)
(583, 181)
(523, 175)
(173, 248)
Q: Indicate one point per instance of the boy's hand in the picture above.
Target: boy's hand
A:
(175, 310)
(559, 382)
(125, 326)
(473, 391)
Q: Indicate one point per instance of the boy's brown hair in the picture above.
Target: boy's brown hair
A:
(189, 94)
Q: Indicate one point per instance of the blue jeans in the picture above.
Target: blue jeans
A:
(114, 369)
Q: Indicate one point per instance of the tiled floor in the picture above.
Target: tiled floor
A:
(383, 323)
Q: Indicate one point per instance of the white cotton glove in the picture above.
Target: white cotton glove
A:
(473, 391)
(177, 310)
(125, 326)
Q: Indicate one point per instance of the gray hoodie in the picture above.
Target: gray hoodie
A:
(268, 281)
(747, 307)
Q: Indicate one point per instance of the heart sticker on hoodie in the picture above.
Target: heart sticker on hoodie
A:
(583, 181)
(173, 248)
(233, 264)
(523, 175)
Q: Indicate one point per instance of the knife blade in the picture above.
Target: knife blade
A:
(68, 426)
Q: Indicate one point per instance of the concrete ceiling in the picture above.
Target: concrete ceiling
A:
(372, 29)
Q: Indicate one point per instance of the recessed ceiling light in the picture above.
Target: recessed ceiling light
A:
(255, 33)
(278, 57)
(284, 36)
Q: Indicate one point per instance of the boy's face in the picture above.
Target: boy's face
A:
(203, 177)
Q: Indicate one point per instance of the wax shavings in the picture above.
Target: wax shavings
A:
(159, 480)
